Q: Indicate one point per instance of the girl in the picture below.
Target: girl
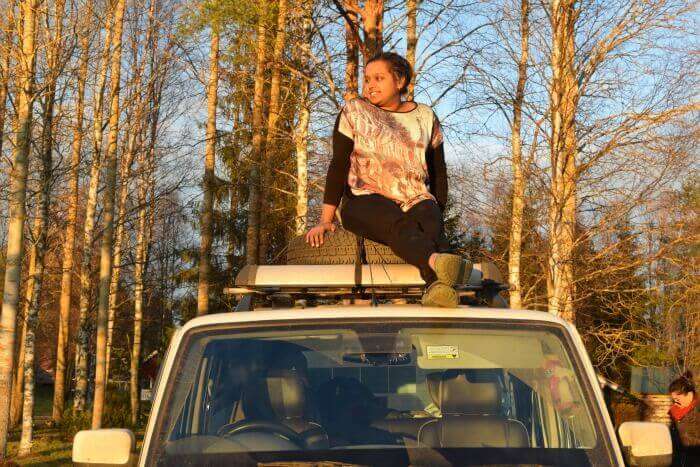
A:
(685, 415)
(388, 163)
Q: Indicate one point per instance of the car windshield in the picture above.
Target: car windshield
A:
(400, 393)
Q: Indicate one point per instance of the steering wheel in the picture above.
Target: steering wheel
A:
(265, 426)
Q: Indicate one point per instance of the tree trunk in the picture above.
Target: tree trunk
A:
(4, 84)
(373, 27)
(207, 219)
(16, 405)
(39, 246)
(516, 222)
(234, 180)
(108, 212)
(139, 269)
(411, 41)
(119, 236)
(24, 388)
(267, 195)
(301, 133)
(25, 380)
(253, 232)
(59, 392)
(18, 379)
(82, 350)
(301, 141)
(17, 210)
(562, 209)
(352, 59)
(145, 224)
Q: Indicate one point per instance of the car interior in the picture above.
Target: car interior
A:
(266, 395)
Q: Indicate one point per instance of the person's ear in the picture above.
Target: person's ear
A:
(401, 82)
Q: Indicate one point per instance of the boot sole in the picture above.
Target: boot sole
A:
(440, 295)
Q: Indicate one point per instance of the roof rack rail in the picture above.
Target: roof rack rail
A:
(349, 281)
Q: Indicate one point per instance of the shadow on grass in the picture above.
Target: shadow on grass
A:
(51, 453)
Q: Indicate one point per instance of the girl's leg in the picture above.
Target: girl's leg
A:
(381, 220)
(428, 216)
(449, 268)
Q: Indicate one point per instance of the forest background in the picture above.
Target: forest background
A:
(151, 148)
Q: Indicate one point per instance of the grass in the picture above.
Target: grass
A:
(50, 445)
(48, 449)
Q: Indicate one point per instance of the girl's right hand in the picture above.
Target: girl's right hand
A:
(314, 237)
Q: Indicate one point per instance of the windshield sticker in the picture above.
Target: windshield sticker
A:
(442, 351)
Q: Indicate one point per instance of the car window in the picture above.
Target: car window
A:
(410, 387)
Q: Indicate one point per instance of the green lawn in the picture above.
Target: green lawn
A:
(49, 446)
(48, 449)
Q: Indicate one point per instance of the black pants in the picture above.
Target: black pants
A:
(413, 235)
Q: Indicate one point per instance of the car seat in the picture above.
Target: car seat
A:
(471, 414)
(281, 396)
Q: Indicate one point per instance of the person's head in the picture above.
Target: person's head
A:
(387, 76)
(682, 389)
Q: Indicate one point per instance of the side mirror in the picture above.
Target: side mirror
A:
(103, 447)
(646, 443)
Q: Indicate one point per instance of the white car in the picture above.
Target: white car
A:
(383, 383)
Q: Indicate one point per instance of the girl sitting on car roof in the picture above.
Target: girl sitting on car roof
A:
(389, 165)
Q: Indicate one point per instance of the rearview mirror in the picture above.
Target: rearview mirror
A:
(646, 443)
(99, 447)
(378, 359)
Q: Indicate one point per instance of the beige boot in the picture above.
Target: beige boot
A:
(452, 269)
(440, 295)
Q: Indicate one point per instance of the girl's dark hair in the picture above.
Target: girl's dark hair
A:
(683, 384)
(398, 65)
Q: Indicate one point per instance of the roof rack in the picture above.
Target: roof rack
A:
(349, 281)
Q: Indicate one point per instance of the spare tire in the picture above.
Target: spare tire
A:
(339, 247)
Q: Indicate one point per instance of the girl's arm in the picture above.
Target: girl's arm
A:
(327, 213)
(336, 179)
(337, 176)
(437, 172)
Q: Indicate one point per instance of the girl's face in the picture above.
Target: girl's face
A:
(381, 86)
(682, 399)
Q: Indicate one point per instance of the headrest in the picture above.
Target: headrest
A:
(465, 392)
(291, 359)
(278, 396)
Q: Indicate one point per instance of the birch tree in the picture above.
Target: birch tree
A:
(108, 213)
(147, 162)
(133, 141)
(139, 271)
(516, 230)
(54, 48)
(5, 56)
(18, 189)
(564, 98)
(206, 221)
(301, 133)
(258, 146)
(83, 338)
(273, 115)
(371, 15)
(352, 56)
(411, 41)
(72, 219)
